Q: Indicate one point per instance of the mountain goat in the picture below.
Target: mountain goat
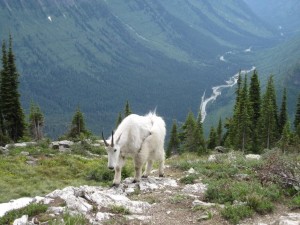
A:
(139, 137)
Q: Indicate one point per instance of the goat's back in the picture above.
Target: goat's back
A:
(134, 129)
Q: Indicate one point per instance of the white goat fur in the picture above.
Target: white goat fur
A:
(139, 137)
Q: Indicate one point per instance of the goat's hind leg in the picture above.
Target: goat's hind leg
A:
(148, 169)
(161, 168)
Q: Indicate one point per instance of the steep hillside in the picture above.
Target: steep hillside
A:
(97, 54)
(283, 15)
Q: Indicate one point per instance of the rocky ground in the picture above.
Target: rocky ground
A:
(152, 201)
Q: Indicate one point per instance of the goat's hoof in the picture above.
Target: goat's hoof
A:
(115, 185)
(145, 176)
(161, 175)
(135, 181)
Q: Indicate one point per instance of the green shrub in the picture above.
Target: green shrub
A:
(30, 210)
(101, 174)
(295, 202)
(189, 179)
(236, 213)
(259, 203)
(68, 219)
(177, 198)
(119, 209)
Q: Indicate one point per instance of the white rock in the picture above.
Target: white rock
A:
(100, 216)
(288, 219)
(14, 204)
(204, 204)
(24, 153)
(21, 221)
(212, 158)
(56, 210)
(252, 157)
(198, 188)
(39, 199)
(139, 217)
(66, 143)
(191, 171)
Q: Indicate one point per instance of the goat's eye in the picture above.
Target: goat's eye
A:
(115, 150)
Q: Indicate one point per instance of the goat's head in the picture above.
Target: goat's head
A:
(113, 152)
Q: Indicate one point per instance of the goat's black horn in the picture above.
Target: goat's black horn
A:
(105, 142)
(112, 139)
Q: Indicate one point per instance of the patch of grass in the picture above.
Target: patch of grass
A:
(189, 179)
(119, 209)
(259, 203)
(178, 198)
(206, 216)
(235, 213)
(295, 202)
(30, 210)
(20, 179)
(68, 219)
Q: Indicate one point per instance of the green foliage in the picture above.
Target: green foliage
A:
(178, 198)
(236, 213)
(119, 119)
(297, 114)
(50, 172)
(268, 122)
(283, 116)
(189, 179)
(295, 202)
(212, 141)
(219, 132)
(259, 203)
(69, 219)
(30, 210)
(36, 122)
(127, 110)
(78, 130)
(12, 119)
(187, 135)
(174, 143)
(119, 209)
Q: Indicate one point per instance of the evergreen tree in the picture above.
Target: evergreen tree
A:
(234, 125)
(187, 135)
(254, 98)
(243, 133)
(285, 137)
(268, 129)
(12, 112)
(36, 122)
(127, 110)
(199, 136)
(283, 116)
(212, 141)
(219, 132)
(2, 75)
(78, 126)
(119, 119)
(297, 115)
(173, 145)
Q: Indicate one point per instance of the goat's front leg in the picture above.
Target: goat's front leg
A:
(118, 172)
(138, 165)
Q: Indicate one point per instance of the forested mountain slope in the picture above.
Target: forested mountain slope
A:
(97, 54)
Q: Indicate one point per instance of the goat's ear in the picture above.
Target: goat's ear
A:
(112, 139)
(105, 142)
